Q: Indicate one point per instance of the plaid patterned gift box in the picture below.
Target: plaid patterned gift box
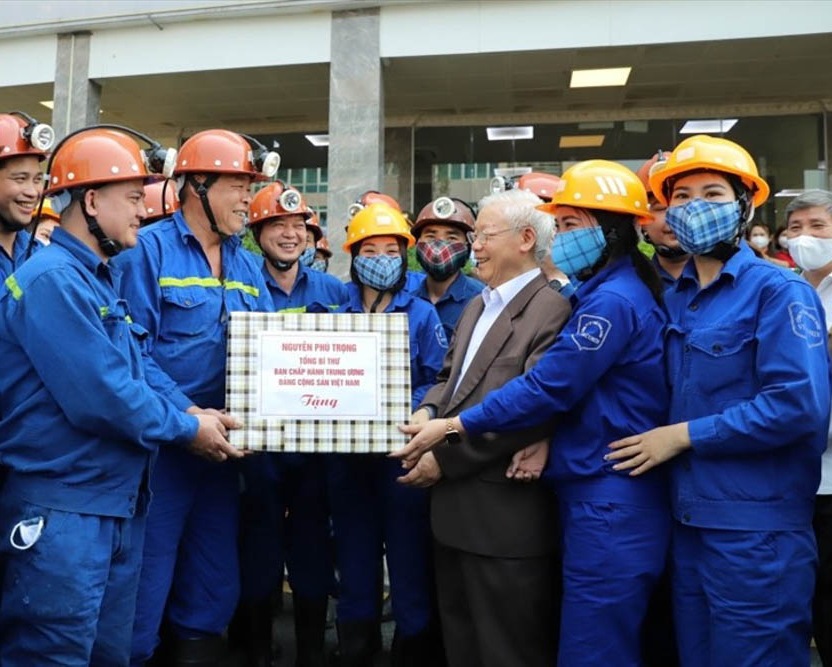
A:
(284, 375)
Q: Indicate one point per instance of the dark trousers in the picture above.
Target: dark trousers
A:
(497, 611)
(822, 603)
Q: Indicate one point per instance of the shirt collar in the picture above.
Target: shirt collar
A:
(269, 278)
(355, 305)
(508, 290)
(185, 232)
(735, 265)
(82, 253)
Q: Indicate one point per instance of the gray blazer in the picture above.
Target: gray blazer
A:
(474, 507)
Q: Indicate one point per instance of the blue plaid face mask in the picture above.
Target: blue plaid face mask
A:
(700, 225)
(579, 249)
(307, 256)
(380, 272)
(319, 265)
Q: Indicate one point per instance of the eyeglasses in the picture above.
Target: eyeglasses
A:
(484, 237)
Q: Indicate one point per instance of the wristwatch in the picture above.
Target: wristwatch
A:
(452, 436)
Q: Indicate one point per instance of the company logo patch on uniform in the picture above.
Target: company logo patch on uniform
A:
(806, 323)
(441, 338)
(592, 332)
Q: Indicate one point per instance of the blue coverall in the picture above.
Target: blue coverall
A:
(604, 379)
(749, 370)
(453, 301)
(275, 483)
(371, 511)
(80, 430)
(190, 571)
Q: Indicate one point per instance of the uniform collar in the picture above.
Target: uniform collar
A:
(302, 276)
(614, 268)
(82, 253)
(400, 301)
(230, 242)
(738, 262)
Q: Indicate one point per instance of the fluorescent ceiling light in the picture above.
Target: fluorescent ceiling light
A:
(600, 125)
(582, 141)
(49, 104)
(318, 139)
(718, 126)
(595, 78)
(790, 193)
(507, 133)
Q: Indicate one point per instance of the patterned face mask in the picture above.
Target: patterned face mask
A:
(579, 249)
(700, 225)
(307, 256)
(319, 265)
(441, 259)
(380, 272)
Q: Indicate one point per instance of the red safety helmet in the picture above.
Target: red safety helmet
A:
(444, 211)
(277, 200)
(20, 134)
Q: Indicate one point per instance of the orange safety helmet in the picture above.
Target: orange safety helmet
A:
(225, 152)
(650, 167)
(20, 134)
(705, 153)
(372, 197)
(540, 184)
(95, 156)
(377, 219)
(277, 200)
(156, 209)
(601, 185)
(313, 224)
(323, 246)
(444, 211)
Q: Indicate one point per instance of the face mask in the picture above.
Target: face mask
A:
(783, 241)
(319, 265)
(441, 259)
(700, 225)
(380, 272)
(580, 249)
(809, 252)
(307, 256)
(759, 241)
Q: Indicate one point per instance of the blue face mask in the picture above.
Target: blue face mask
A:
(319, 265)
(700, 225)
(307, 256)
(380, 272)
(579, 249)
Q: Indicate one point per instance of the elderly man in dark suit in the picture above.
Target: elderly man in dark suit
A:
(496, 536)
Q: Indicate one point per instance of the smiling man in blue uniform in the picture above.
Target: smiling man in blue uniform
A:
(749, 372)
(183, 279)
(81, 427)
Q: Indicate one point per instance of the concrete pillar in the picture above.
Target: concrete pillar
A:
(77, 100)
(356, 121)
(398, 167)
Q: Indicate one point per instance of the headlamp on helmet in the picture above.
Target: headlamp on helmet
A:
(354, 209)
(160, 160)
(265, 161)
(444, 208)
(290, 200)
(39, 135)
(499, 184)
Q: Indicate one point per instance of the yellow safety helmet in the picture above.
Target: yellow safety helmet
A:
(603, 186)
(702, 152)
(377, 220)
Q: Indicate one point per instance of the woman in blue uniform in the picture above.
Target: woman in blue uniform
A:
(604, 373)
(748, 365)
(371, 513)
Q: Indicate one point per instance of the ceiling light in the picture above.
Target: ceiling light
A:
(600, 125)
(582, 141)
(796, 192)
(718, 126)
(595, 78)
(510, 133)
(49, 104)
(318, 139)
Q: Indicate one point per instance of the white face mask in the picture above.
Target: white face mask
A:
(759, 241)
(809, 252)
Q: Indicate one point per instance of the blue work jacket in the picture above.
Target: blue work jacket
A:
(80, 425)
(428, 344)
(749, 370)
(453, 301)
(9, 264)
(313, 291)
(173, 294)
(602, 379)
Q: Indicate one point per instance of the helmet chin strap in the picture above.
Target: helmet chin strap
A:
(109, 247)
(202, 192)
(280, 265)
